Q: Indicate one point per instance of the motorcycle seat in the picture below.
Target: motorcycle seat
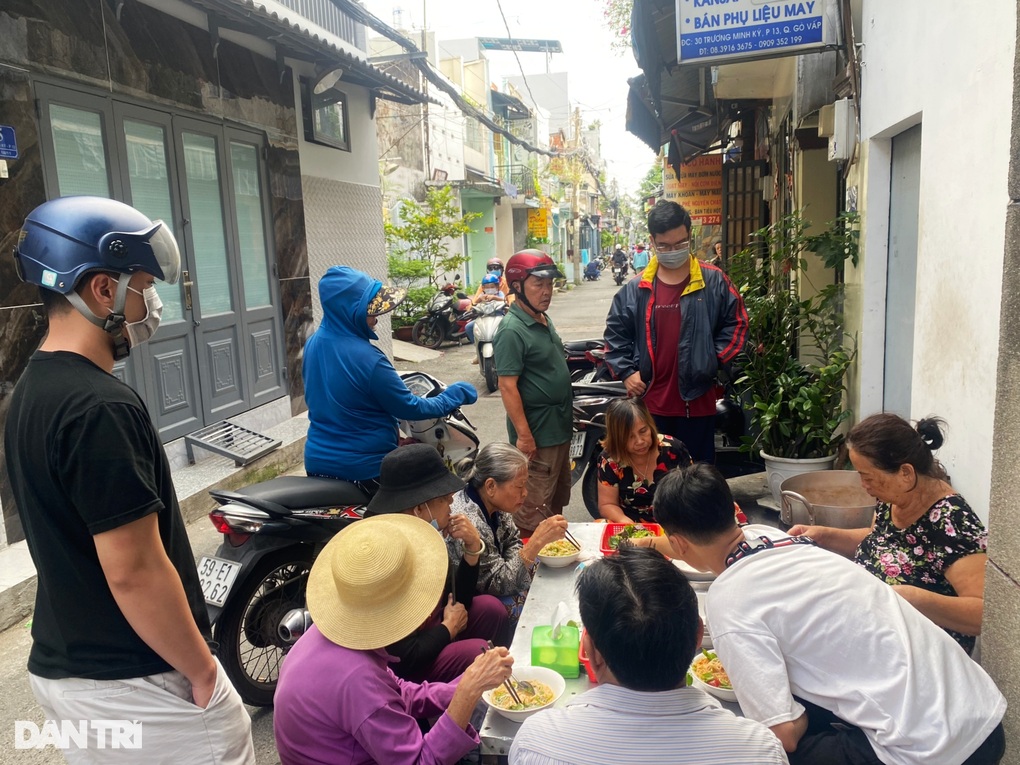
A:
(298, 492)
(578, 347)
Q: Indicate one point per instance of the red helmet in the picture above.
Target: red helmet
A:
(531, 263)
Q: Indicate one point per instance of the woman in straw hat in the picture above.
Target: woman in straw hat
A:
(337, 700)
(497, 482)
(414, 480)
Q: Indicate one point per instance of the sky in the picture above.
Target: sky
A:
(597, 74)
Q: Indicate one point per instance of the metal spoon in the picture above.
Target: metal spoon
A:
(524, 685)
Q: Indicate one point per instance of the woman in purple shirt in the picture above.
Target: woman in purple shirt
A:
(337, 699)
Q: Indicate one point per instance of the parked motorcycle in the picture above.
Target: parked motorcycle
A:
(445, 320)
(586, 360)
(619, 274)
(254, 585)
(487, 317)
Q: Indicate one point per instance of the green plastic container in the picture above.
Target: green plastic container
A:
(560, 654)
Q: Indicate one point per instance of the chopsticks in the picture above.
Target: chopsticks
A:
(571, 539)
(506, 683)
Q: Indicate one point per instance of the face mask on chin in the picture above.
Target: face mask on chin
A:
(674, 258)
(139, 332)
(433, 523)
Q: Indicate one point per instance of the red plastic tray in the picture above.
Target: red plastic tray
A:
(612, 529)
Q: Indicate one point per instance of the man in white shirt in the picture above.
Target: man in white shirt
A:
(840, 667)
(642, 630)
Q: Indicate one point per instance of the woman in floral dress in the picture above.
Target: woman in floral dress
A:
(634, 456)
(497, 482)
(925, 540)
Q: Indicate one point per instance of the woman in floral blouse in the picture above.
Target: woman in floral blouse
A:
(925, 539)
(497, 482)
(634, 456)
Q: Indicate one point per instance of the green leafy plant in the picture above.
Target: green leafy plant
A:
(418, 248)
(793, 367)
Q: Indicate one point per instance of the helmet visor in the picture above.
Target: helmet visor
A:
(166, 252)
(546, 271)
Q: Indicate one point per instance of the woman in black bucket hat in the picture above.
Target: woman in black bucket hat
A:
(414, 480)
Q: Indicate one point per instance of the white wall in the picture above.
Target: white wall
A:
(948, 66)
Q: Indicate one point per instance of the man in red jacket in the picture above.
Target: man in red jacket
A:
(670, 331)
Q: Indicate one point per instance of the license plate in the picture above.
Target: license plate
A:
(577, 445)
(217, 577)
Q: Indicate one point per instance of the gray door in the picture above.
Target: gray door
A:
(218, 351)
(901, 274)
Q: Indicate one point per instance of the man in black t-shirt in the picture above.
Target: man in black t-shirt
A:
(120, 627)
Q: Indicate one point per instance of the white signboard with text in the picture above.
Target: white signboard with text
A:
(734, 30)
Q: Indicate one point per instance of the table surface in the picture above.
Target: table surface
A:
(549, 587)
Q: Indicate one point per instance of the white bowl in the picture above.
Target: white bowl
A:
(725, 694)
(543, 675)
(559, 561)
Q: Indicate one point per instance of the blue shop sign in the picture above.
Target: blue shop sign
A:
(8, 143)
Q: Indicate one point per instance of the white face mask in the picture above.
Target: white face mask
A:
(491, 291)
(140, 331)
(434, 523)
(674, 258)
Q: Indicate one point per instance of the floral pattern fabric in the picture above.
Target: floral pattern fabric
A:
(501, 570)
(920, 554)
(636, 495)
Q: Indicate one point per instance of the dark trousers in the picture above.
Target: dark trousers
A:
(697, 433)
(831, 741)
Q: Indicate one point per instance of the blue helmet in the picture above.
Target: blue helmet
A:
(490, 279)
(63, 239)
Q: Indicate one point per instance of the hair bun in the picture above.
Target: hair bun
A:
(930, 430)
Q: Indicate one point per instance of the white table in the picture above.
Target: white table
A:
(549, 587)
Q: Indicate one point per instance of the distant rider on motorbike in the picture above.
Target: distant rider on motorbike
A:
(620, 257)
(355, 397)
(488, 291)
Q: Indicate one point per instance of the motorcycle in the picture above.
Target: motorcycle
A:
(254, 586)
(487, 317)
(586, 360)
(619, 274)
(445, 320)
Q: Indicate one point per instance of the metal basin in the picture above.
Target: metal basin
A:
(827, 498)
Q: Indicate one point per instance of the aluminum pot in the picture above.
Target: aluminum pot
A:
(827, 498)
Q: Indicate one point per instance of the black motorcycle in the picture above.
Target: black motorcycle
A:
(254, 585)
(448, 313)
(619, 274)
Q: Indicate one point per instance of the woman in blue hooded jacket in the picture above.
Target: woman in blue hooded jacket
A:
(355, 397)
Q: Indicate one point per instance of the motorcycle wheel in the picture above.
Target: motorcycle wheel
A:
(427, 333)
(489, 373)
(590, 490)
(250, 648)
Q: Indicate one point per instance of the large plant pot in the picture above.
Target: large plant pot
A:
(778, 469)
(403, 333)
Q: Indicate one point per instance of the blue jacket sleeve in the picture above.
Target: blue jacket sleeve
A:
(398, 401)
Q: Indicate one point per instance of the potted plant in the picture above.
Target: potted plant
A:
(418, 250)
(793, 368)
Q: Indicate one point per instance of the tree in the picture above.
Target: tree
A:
(617, 19)
(418, 248)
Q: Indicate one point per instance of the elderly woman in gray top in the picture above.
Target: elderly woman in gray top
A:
(497, 482)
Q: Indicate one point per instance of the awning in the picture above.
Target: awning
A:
(291, 35)
(669, 104)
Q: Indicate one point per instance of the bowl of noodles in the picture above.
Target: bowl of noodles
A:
(548, 684)
(707, 674)
(558, 554)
